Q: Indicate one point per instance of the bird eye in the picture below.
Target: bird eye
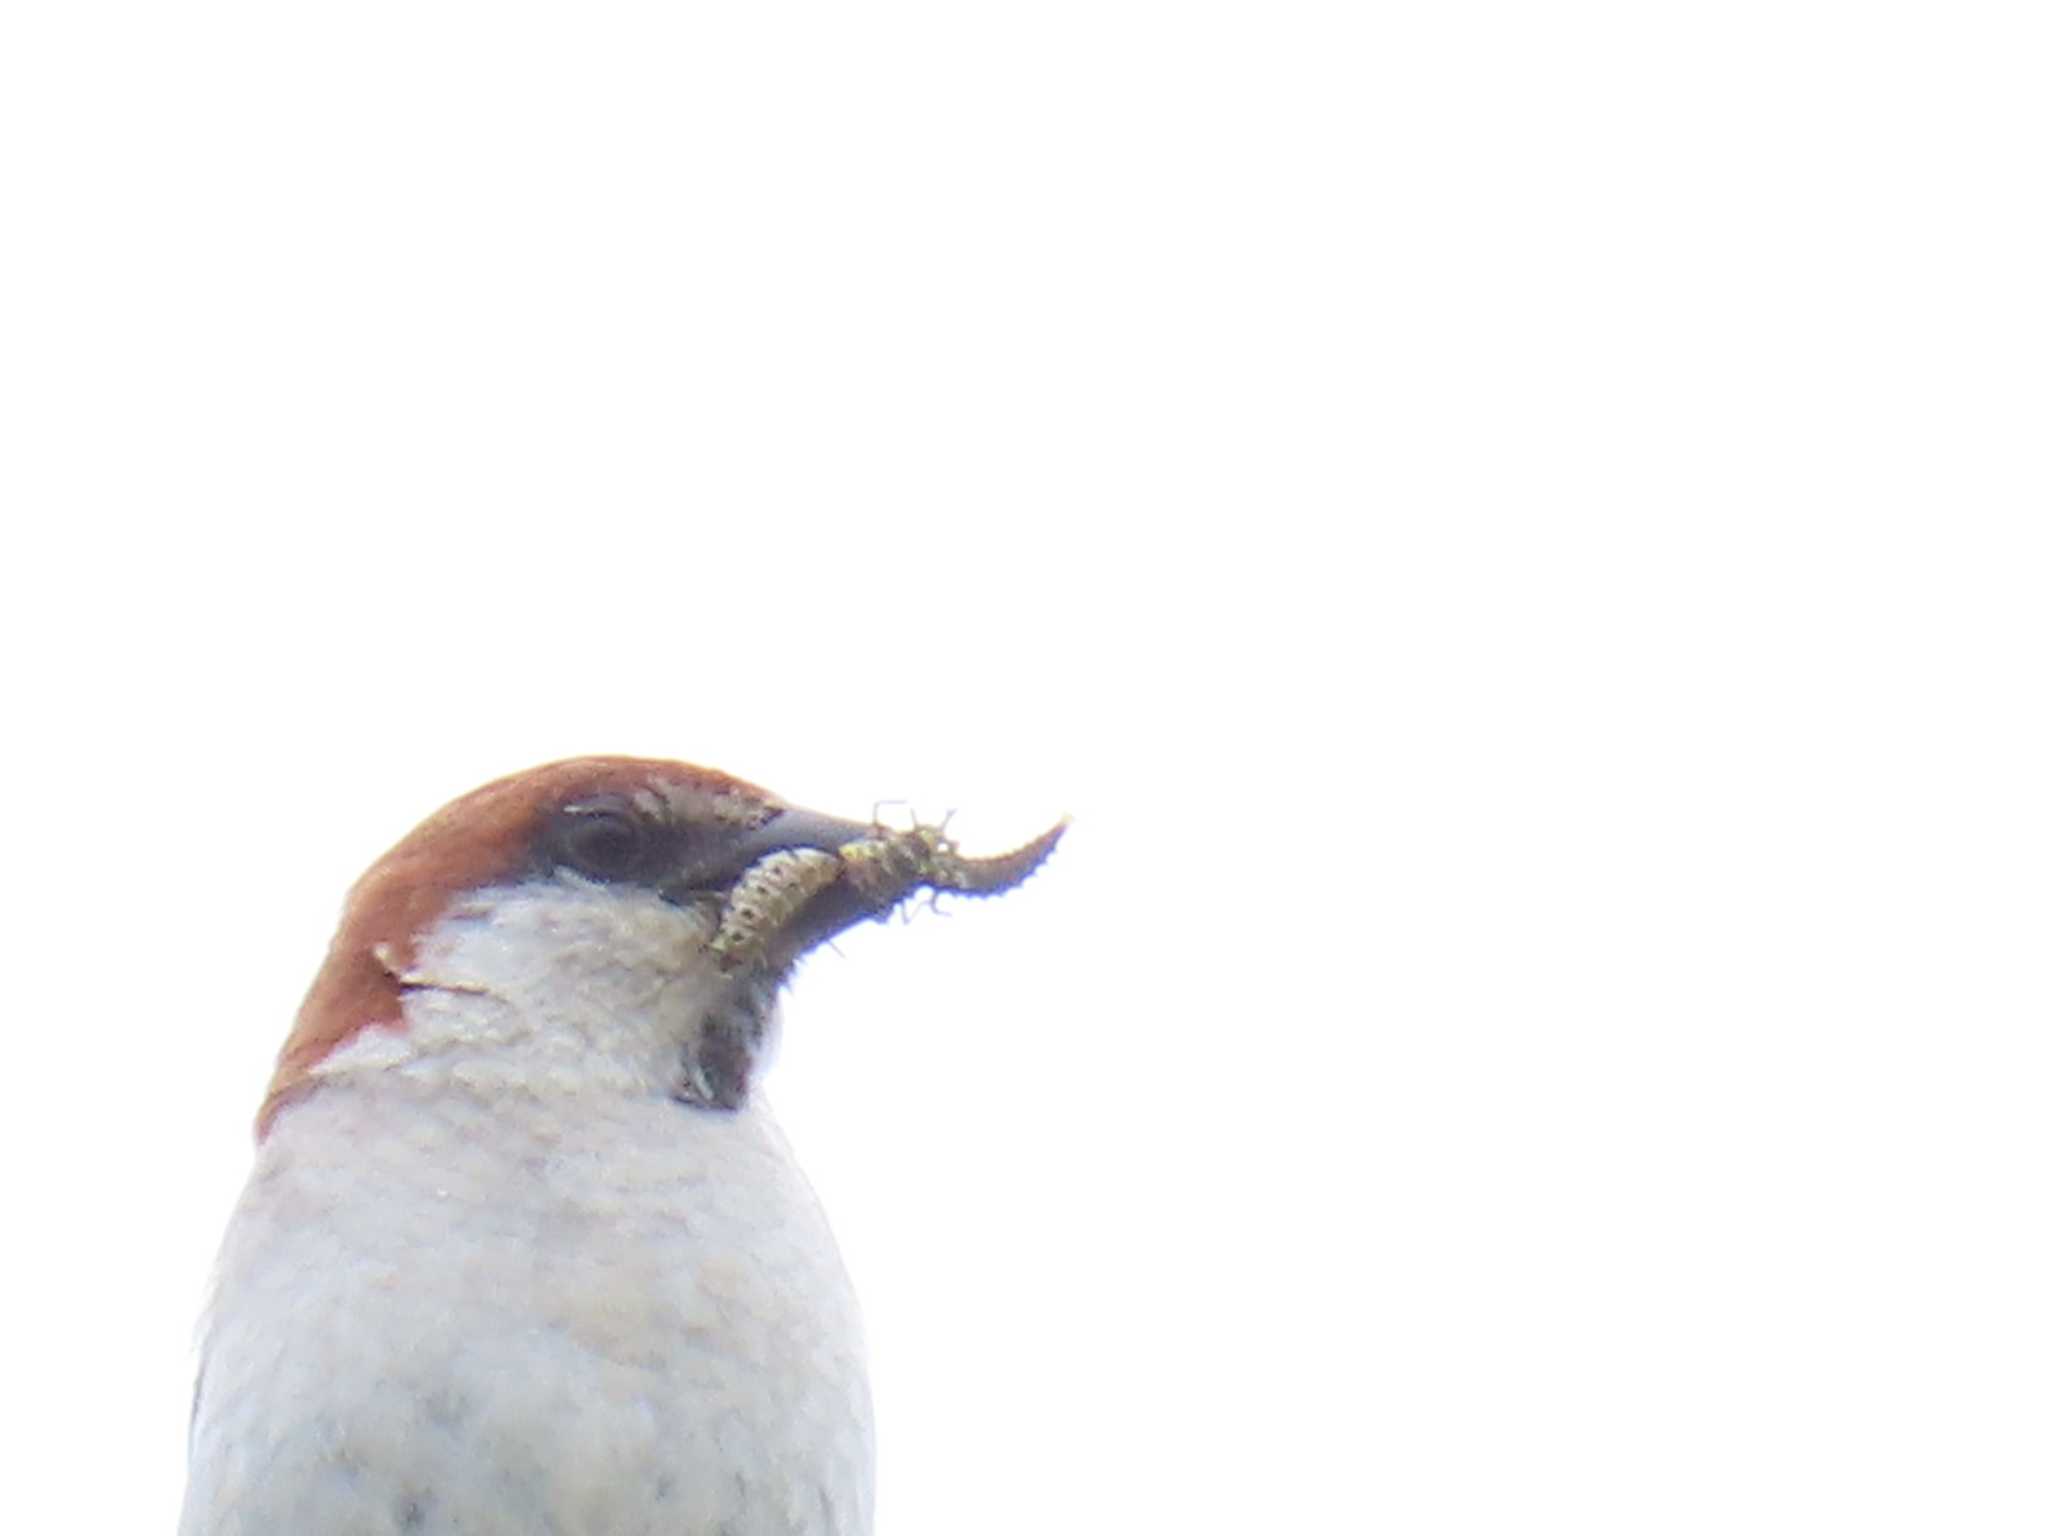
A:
(604, 844)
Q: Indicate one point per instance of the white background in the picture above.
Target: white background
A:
(1511, 528)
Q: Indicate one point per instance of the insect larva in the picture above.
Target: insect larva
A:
(890, 863)
(766, 897)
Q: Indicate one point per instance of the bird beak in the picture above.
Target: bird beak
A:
(800, 878)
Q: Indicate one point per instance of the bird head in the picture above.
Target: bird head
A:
(602, 922)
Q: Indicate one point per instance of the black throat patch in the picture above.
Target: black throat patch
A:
(719, 1073)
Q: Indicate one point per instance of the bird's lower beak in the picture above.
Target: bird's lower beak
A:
(799, 878)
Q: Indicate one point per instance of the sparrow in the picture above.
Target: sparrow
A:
(523, 1252)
